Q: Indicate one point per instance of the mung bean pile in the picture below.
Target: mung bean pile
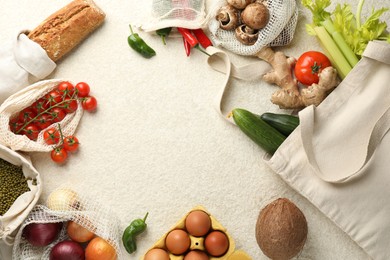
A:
(12, 185)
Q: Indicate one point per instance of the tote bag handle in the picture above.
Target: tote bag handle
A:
(375, 51)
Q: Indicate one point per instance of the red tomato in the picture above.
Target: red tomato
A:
(27, 114)
(71, 143)
(31, 131)
(43, 121)
(309, 65)
(57, 114)
(70, 105)
(82, 89)
(15, 124)
(66, 89)
(51, 136)
(89, 103)
(40, 105)
(53, 97)
(59, 155)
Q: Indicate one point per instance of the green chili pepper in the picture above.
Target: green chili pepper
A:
(139, 45)
(164, 32)
(135, 228)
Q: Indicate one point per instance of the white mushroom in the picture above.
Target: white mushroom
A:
(246, 35)
(255, 15)
(240, 4)
(228, 17)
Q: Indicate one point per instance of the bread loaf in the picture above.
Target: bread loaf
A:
(66, 28)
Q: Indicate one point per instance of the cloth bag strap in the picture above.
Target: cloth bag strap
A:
(375, 51)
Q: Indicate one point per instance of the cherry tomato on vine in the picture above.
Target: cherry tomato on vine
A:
(71, 143)
(70, 105)
(51, 136)
(82, 89)
(59, 155)
(66, 89)
(15, 124)
(53, 97)
(31, 131)
(57, 114)
(40, 105)
(89, 103)
(309, 65)
(43, 121)
(27, 114)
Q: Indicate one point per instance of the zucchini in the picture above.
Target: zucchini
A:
(258, 130)
(284, 123)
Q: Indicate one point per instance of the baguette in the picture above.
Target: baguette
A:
(66, 28)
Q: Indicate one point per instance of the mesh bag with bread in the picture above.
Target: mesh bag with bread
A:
(228, 21)
(24, 98)
(65, 205)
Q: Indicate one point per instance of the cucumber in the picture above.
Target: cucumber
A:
(258, 130)
(284, 123)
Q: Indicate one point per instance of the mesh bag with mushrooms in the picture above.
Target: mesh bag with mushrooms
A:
(246, 26)
(65, 205)
(176, 13)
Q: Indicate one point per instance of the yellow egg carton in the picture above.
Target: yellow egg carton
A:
(198, 243)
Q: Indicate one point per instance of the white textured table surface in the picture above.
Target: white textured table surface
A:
(156, 143)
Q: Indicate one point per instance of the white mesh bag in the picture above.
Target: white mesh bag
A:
(176, 13)
(22, 99)
(67, 205)
(279, 30)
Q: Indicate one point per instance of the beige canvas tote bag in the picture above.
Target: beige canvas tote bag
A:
(338, 158)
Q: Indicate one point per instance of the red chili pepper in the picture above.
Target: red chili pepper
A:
(187, 47)
(202, 38)
(190, 38)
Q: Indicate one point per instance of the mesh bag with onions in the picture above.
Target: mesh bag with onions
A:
(279, 31)
(176, 13)
(22, 99)
(65, 205)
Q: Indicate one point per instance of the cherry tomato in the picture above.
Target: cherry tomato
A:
(309, 65)
(43, 121)
(66, 89)
(51, 136)
(57, 114)
(40, 105)
(89, 103)
(27, 114)
(70, 105)
(15, 124)
(59, 155)
(71, 143)
(53, 97)
(31, 131)
(82, 89)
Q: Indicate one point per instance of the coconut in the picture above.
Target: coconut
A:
(281, 230)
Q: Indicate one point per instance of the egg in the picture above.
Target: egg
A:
(157, 254)
(196, 255)
(216, 243)
(177, 241)
(198, 223)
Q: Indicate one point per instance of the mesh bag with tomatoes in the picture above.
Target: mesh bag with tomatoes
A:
(25, 115)
(278, 31)
(176, 13)
(70, 220)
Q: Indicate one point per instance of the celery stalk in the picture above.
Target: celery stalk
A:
(340, 62)
(341, 43)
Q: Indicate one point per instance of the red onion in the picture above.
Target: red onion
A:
(41, 234)
(67, 250)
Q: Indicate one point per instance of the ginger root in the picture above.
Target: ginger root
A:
(290, 96)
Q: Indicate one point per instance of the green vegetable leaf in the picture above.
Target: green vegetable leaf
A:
(317, 7)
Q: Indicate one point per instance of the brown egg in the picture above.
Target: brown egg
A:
(196, 255)
(216, 243)
(177, 241)
(198, 223)
(157, 254)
